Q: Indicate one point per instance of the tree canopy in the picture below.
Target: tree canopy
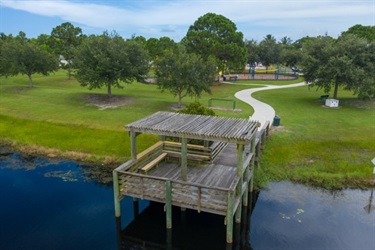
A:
(156, 47)
(269, 51)
(361, 31)
(21, 56)
(184, 74)
(347, 61)
(106, 60)
(216, 35)
(66, 38)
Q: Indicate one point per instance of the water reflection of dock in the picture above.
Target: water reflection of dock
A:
(208, 167)
(148, 231)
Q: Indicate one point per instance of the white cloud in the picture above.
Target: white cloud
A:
(159, 16)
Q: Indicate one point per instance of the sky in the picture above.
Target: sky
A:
(172, 18)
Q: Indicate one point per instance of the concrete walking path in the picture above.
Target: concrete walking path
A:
(263, 112)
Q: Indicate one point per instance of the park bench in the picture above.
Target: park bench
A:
(153, 163)
(232, 78)
(323, 97)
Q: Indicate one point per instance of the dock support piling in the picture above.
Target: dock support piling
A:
(116, 193)
(229, 218)
(168, 203)
(240, 170)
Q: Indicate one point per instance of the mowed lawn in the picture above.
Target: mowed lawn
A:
(58, 113)
(330, 147)
(315, 145)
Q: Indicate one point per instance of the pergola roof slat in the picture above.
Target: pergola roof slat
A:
(195, 127)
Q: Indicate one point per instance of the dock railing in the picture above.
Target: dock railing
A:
(183, 193)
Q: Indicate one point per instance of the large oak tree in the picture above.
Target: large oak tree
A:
(216, 35)
(184, 74)
(21, 56)
(66, 38)
(347, 61)
(107, 60)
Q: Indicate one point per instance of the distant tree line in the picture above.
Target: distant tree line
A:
(187, 68)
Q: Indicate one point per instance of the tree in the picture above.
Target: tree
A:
(216, 35)
(361, 31)
(107, 59)
(66, 39)
(156, 47)
(269, 51)
(184, 73)
(289, 55)
(345, 62)
(286, 40)
(252, 51)
(20, 56)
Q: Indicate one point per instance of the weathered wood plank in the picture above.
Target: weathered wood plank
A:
(153, 162)
(159, 144)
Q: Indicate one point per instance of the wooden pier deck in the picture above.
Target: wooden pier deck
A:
(214, 177)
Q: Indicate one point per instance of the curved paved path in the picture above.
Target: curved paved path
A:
(262, 111)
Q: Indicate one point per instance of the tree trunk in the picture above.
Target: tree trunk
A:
(179, 100)
(109, 90)
(30, 80)
(69, 72)
(336, 90)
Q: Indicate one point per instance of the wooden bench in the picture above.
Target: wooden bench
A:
(323, 97)
(233, 78)
(153, 163)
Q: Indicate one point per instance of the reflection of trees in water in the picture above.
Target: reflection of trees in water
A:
(65, 170)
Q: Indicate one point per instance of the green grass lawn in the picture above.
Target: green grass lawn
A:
(316, 145)
(57, 114)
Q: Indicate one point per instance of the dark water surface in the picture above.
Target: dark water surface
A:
(60, 205)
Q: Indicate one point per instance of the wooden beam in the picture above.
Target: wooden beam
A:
(184, 158)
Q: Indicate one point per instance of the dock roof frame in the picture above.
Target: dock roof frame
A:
(212, 128)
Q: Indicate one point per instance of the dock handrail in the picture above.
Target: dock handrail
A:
(231, 188)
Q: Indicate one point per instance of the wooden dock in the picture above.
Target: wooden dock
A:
(213, 176)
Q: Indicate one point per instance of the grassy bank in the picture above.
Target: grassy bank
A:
(316, 145)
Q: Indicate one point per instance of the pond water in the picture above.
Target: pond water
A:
(56, 204)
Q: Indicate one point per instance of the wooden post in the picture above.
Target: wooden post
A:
(116, 193)
(245, 193)
(240, 159)
(133, 144)
(229, 220)
(252, 165)
(184, 158)
(168, 203)
(206, 143)
(240, 166)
